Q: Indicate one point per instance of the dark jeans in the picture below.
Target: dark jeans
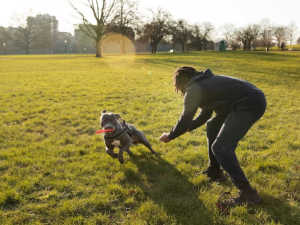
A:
(225, 131)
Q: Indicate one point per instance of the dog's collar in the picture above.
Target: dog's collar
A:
(118, 133)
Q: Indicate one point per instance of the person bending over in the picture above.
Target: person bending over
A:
(237, 104)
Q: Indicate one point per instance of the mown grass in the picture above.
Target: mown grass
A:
(54, 169)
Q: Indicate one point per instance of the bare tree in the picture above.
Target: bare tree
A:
(202, 34)
(227, 30)
(105, 14)
(241, 36)
(247, 34)
(128, 17)
(156, 28)
(265, 31)
(173, 34)
(292, 32)
(183, 33)
(281, 34)
(252, 34)
(28, 33)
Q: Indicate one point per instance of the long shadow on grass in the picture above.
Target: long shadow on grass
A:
(170, 189)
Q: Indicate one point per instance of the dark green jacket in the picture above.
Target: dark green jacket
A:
(212, 93)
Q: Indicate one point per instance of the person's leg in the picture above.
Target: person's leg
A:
(213, 127)
(235, 127)
(214, 172)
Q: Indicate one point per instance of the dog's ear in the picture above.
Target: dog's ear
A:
(118, 116)
(104, 111)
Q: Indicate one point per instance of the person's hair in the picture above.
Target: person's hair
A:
(181, 77)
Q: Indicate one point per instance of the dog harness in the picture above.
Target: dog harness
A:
(122, 129)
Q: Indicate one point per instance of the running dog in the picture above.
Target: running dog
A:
(123, 136)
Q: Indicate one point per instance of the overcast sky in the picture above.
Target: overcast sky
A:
(217, 12)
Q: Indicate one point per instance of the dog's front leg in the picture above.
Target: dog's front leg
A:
(121, 152)
(110, 151)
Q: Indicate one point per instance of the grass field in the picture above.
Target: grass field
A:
(54, 169)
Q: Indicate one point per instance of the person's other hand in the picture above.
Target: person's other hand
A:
(165, 138)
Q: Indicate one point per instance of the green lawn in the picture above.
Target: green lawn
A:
(54, 169)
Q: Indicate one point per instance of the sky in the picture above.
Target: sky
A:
(240, 13)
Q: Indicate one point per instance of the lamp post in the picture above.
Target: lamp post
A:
(65, 46)
(268, 44)
(4, 48)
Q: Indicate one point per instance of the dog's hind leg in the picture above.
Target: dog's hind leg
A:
(145, 142)
(139, 137)
(148, 145)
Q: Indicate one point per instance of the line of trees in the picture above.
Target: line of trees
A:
(100, 17)
(121, 16)
(262, 34)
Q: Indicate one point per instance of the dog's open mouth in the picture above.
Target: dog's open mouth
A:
(110, 130)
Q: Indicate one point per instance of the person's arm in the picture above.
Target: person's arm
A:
(192, 101)
(201, 119)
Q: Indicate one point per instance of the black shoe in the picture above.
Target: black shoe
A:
(243, 198)
(214, 176)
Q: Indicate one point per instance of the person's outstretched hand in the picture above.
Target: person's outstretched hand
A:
(165, 138)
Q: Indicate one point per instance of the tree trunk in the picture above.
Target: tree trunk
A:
(98, 49)
(249, 45)
(182, 46)
(244, 45)
(98, 54)
(155, 48)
